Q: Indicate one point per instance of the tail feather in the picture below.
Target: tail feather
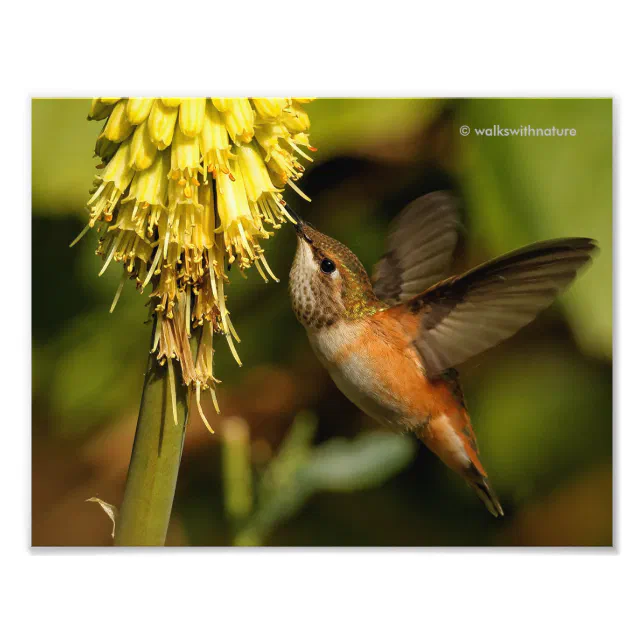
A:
(484, 491)
(451, 438)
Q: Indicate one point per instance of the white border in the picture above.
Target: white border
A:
(334, 49)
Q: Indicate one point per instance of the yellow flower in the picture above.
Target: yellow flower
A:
(188, 186)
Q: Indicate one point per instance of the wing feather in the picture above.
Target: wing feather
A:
(463, 316)
(420, 244)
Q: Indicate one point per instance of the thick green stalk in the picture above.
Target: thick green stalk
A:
(152, 477)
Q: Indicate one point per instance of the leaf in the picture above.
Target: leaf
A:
(111, 511)
(339, 465)
(367, 461)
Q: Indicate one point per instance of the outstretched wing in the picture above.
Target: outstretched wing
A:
(420, 244)
(465, 315)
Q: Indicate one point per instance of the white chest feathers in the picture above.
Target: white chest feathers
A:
(341, 350)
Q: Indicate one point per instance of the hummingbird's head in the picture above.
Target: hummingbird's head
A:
(327, 281)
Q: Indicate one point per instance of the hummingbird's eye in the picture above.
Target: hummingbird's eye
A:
(327, 266)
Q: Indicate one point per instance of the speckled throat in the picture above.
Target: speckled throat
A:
(321, 300)
(312, 306)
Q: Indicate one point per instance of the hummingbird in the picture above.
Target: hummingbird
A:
(392, 343)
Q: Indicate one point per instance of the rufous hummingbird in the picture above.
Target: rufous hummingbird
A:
(391, 344)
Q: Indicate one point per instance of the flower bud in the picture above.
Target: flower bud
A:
(191, 115)
(161, 124)
(138, 109)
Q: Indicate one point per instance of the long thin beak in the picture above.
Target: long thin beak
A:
(299, 225)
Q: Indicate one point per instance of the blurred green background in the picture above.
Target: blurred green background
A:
(307, 467)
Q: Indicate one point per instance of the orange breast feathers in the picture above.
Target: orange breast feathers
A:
(385, 343)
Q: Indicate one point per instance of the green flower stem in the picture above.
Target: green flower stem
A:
(152, 477)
